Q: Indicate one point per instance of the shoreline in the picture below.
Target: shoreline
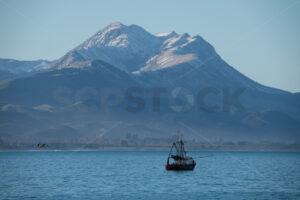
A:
(149, 150)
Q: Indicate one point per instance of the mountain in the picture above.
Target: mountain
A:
(134, 50)
(173, 60)
(40, 88)
(10, 68)
(101, 92)
(4, 75)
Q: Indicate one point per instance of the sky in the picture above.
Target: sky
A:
(259, 38)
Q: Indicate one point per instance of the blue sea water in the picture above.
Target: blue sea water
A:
(142, 175)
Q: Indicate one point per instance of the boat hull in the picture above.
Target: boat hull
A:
(180, 167)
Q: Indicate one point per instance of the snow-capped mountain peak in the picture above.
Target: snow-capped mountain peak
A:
(178, 49)
(132, 49)
(127, 47)
(118, 35)
(176, 40)
(166, 35)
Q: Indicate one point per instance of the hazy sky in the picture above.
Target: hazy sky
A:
(260, 38)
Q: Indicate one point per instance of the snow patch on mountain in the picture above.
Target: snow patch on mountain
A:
(166, 35)
(180, 49)
(166, 59)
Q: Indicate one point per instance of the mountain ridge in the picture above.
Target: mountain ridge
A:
(66, 94)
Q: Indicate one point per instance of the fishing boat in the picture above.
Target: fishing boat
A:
(178, 159)
(41, 145)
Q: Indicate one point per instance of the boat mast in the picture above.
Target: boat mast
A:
(179, 145)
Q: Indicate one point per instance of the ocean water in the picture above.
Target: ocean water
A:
(141, 175)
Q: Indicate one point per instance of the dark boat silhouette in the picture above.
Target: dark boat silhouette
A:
(178, 159)
(41, 145)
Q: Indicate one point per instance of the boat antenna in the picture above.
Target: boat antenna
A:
(179, 136)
